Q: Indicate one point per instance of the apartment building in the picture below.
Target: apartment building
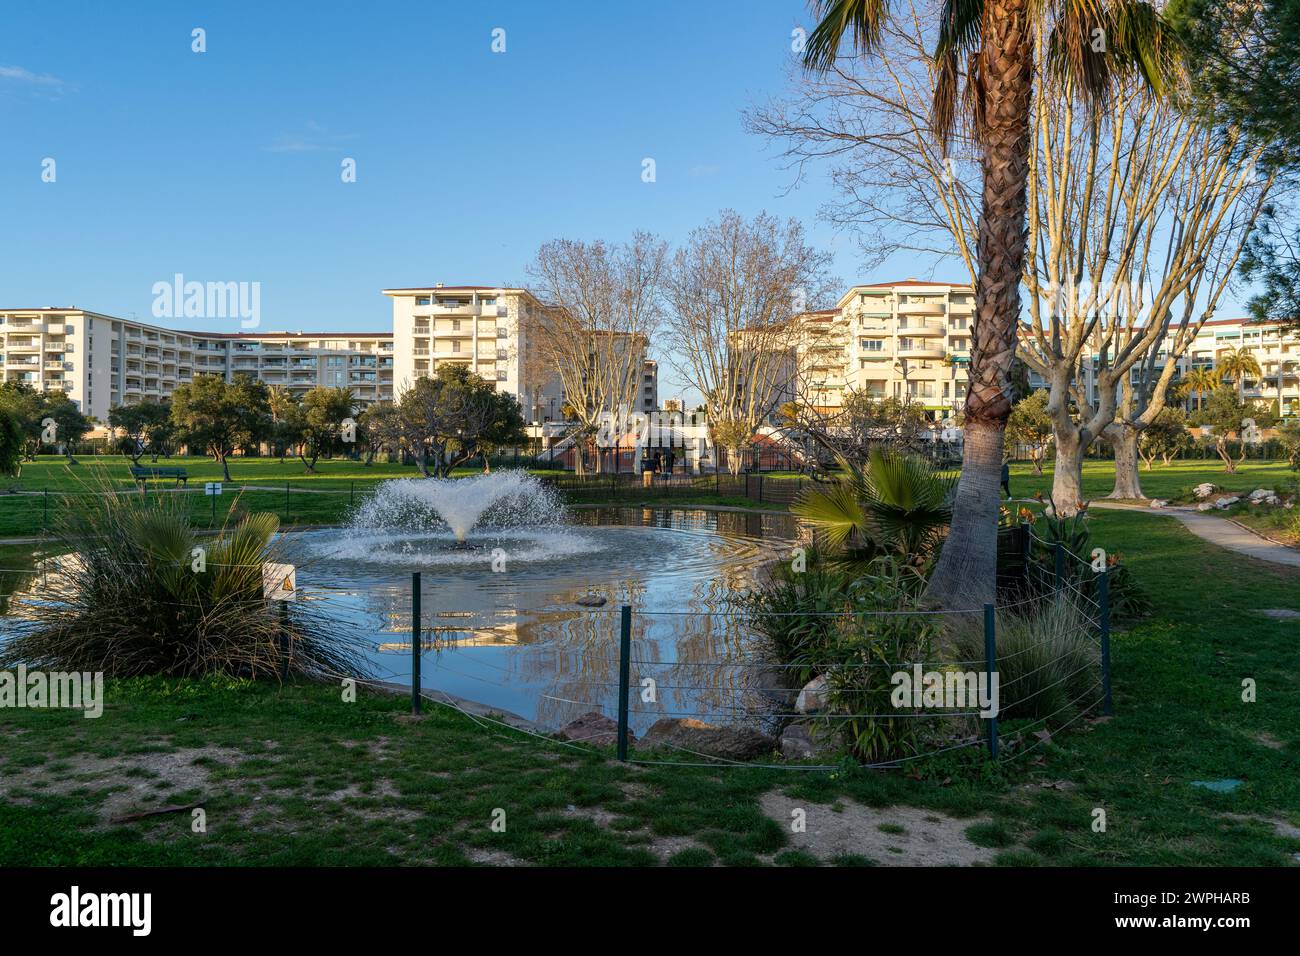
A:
(907, 339)
(493, 331)
(1275, 348)
(101, 361)
(649, 386)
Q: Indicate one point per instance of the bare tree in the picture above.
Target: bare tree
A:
(1119, 193)
(605, 307)
(1137, 215)
(734, 292)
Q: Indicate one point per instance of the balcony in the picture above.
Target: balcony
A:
(918, 351)
(920, 308)
(926, 329)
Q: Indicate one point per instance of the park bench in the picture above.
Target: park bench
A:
(142, 474)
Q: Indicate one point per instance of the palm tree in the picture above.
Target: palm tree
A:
(993, 43)
(897, 505)
(1237, 365)
(1199, 382)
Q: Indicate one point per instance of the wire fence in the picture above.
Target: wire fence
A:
(641, 667)
(1008, 700)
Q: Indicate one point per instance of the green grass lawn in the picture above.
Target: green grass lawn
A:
(295, 776)
(1162, 481)
(259, 484)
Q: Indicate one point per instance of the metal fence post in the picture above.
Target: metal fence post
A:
(417, 645)
(1058, 550)
(45, 523)
(1103, 596)
(352, 493)
(1026, 550)
(624, 668)
(991, 665)
(286, 501)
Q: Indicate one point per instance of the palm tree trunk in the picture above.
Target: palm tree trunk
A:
(965, 575)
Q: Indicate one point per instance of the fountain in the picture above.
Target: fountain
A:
(462, 521)
(512, 498)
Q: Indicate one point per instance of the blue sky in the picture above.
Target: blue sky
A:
(225, 165)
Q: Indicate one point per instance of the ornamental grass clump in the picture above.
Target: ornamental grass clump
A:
(138, 591)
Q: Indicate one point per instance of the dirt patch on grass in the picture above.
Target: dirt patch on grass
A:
(1282, 827)
(891, 836)
(135, 777)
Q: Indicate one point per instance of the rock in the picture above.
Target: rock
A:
(1205, 506)
(594, 728)
(591, 600)
(1259, 494)
(770, 682)
(1159, 503)
(1205, 489)
(796, 743)
(695, 736)
(813, 696)
(1226, 502)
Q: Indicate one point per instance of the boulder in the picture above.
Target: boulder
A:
(771, 683)
(1205, 489)
(797, 743)
(1205, 506)
(1259, 494)
(1159, 503)
(808, 741)
(695, 736)
(594, 728)
(1227, 501)
(813, 696)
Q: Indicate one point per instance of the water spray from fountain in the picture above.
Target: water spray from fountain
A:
(502, 500)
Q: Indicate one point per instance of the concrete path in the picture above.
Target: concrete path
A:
(1221, 531)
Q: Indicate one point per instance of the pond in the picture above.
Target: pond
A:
(515, 638)
(503, 566)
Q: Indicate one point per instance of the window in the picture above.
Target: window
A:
(421, 300)
(873, 345)
(455, 346)
(455, 325)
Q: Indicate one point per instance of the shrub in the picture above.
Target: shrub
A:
(826, 622)
(125, 600)
(1047, 659)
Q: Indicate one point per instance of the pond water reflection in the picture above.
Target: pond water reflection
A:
(515, 639)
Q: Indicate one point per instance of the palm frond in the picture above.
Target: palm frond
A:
(863, 19)
(959, 35)
(836, 511)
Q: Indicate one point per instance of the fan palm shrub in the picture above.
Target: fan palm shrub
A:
(897, 505)
(130, 597)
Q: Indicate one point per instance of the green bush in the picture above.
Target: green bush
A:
(826, 622)
(126, 600)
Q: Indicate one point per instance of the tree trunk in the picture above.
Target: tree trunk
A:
(1128, 483)
(1067, 473)
(966, 573)
(225, 466)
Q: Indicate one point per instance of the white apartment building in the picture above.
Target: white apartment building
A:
(907, 339)
(491, 330)
(1276, 349)
(101, 361)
